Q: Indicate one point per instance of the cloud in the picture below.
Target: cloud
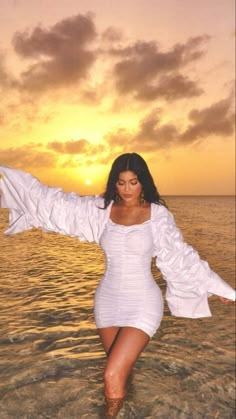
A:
(59, 154)
(3, 72)
(64, 54)
(152, 134)
(60, 53)
(6, 81)
(74, 152)
(77, 147)
(69, 147)
(112, 34)
(170, 88)
(21, 114)
(217, 119)
(27, 157)
(143, 67)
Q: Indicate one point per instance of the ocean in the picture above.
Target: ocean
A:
(51, 358)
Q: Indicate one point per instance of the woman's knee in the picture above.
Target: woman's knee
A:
(114, 383)
(111, 374)
(115, 376)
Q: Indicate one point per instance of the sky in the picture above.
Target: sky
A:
(82, 82)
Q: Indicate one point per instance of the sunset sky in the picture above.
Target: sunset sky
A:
(83, 81)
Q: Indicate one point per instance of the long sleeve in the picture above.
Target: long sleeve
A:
(32, 204)
(190, 281)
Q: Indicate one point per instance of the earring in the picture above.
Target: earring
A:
(141, 198)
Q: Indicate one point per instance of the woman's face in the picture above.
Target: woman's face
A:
(128, 186)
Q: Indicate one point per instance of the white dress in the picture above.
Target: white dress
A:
(127, 294)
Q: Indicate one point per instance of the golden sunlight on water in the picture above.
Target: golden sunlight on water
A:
(51, 357)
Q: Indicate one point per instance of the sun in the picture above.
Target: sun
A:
(88, 182)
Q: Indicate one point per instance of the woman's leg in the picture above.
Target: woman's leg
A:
(108, 336)
(126, 348)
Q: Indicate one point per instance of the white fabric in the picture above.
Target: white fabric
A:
(33, 204)
(127, 294)
(189, 279)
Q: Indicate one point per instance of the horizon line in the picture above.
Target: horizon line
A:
(231, 195)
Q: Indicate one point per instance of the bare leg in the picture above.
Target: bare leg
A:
(128, 345)
(108, 336)
(123, 346)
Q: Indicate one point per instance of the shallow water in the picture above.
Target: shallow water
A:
(51, 359)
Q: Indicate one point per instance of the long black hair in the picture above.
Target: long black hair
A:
(136, 164)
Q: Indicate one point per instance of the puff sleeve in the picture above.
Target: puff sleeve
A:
(190, 280)
(32, 204)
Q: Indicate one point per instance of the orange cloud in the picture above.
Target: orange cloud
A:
(217, 119)
(29, 156)
(73, 147)
(151, 134)
(69, 147)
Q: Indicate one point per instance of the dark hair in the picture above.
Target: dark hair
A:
(135, 163)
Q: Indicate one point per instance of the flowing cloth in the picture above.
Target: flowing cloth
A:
(190, 281)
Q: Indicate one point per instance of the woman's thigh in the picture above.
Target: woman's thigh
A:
(125, 350)
(108, 336)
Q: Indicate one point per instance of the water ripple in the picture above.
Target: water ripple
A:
(52, 360)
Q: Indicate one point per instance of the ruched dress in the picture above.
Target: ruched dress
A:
(127, 294)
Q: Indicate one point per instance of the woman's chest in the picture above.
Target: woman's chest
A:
(118, 239)
(130, 216)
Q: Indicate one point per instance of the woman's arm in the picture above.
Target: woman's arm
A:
(190, 280)
(32, 204)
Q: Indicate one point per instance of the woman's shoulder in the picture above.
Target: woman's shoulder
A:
(159, 211)
(162, 218)
(92, 203)
(96, 206)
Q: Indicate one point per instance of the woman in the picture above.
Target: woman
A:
(132, 224)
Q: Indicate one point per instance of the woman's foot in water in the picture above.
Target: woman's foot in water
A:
(113, 407)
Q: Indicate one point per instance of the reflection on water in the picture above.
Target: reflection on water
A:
(51, 357)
